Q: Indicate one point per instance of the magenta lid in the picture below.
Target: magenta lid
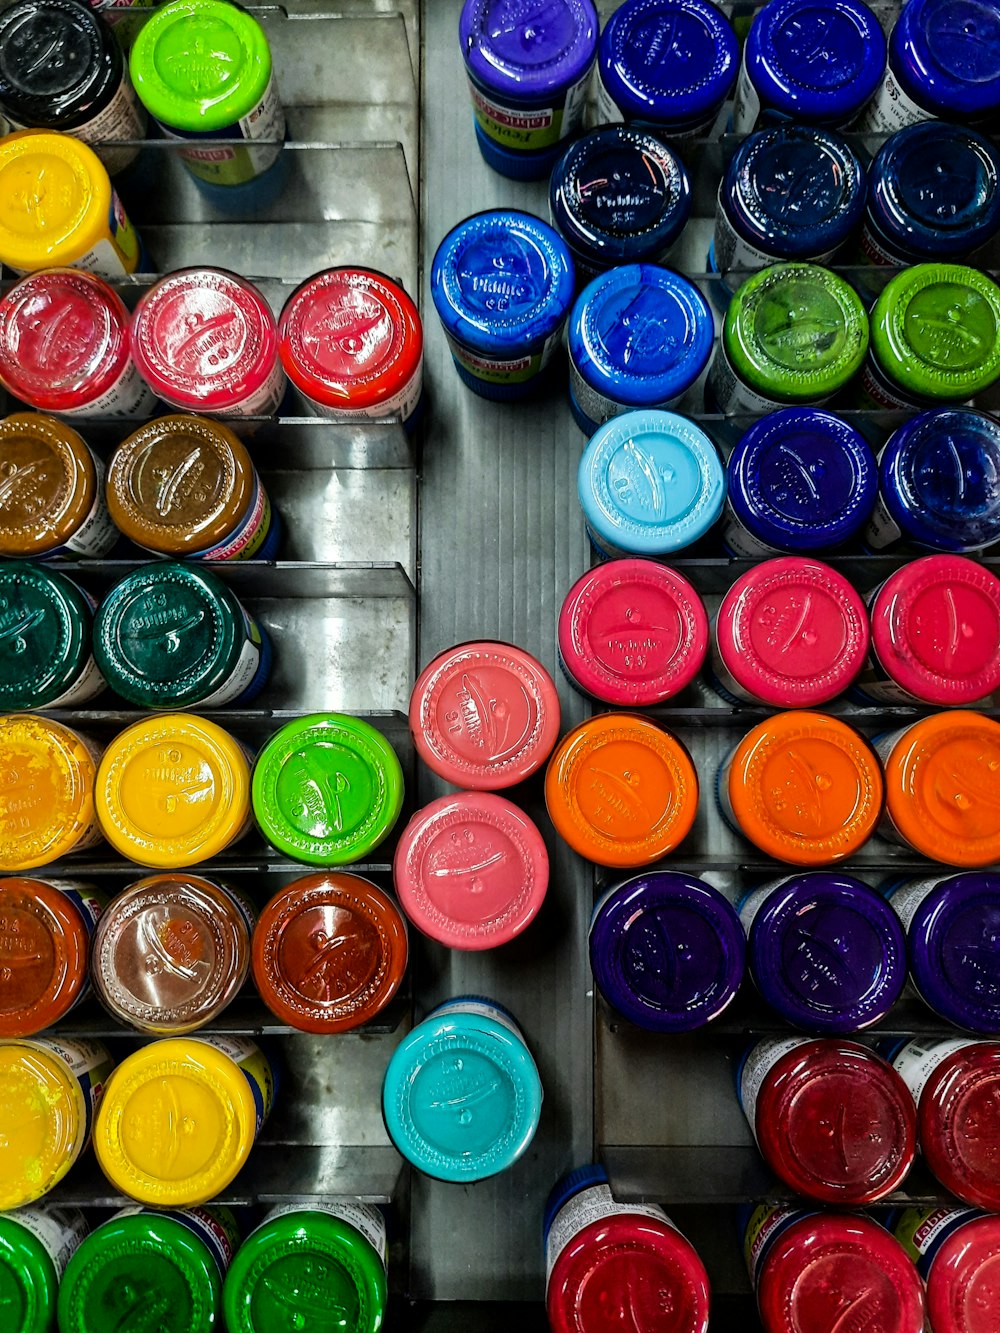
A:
(632, 632)
(793, 632)
(471, 870)
(936, 629)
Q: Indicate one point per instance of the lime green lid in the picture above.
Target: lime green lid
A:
(796, 333)
(936, 331)
(327, 789)
(45, 625)
(200, 65)
(28, 1280)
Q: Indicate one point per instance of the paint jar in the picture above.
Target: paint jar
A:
(35, 1246)
(484, 715)
(956, 1252)
(528, 74)
(46, 792)
(46, 659)
(468, 1052)
(621, 791)
(329, 952)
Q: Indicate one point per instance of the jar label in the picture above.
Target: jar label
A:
(517, 370)
(90, 1064)
(590, 1205)
(129, 396)
(922, 1232)
(766, 1223)
(916, 1060)
(746, 102)
(113, 256)
(873, 251)
(214, 1226)
(750, 904)
(361, 1216)
(527, 129)
(463, 1005)
(245, 541)
(255, 1067)
(733, 253)
(243, 673)
(229, 164)
(906, 896)
(89, 907)
(402, 404)
(122, 118)
(96, 534)
(890, 109)
(757, 1064)
(59, 1231)
(88, 684)
(731, 394)
(882, 529)
(607, 109)
(722, 791)
(263, 402)
(598, 406)
(879, 391)
(741, 541)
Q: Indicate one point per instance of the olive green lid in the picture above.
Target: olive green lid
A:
(28, 1280)
(200, 65)
(327, 789)
(796, 333)
(936, 331)
(45, 623)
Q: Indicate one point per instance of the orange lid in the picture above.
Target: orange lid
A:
(44, 952)
(621, 790)
(804, 788)
(942, 780)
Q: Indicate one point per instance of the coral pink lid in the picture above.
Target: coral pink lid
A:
(963, 1286)
(484, 715)
(958, 1123)
(633, 632)
(793, 632)
(936, 629)
(471, 870)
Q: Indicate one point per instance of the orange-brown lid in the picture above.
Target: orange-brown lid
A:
(44, 952)
(48, 484)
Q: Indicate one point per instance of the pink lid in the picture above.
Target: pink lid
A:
(793, 632)
(936, 629)
(963, 1286)
(471, 870)
(63, 339)
(633, 632)
(484, 715)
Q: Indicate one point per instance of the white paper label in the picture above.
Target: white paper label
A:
(59, 1231)
(759, 1062)
(129, 396)
(96, 534)
(746, 104)
(606, 106)
(917, 1060)
(122, 118)
(740, 540)
(264, 402)
(907, 897)
(402, 404)
(882, 529)
(88, 685)
(361, 1216)
(731, 394)
(265, 121)
(890, 109)
(590, 1205)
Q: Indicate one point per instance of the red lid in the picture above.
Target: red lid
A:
(836, 1123)
(963, 1286)
(471, 870)
(936, 629)
(205, 340)
(64, 339)
(484, 715)
(44, 955)
(959, 1124)
(351, 339)
(793, 632)
(628, 1272)
(633, 632)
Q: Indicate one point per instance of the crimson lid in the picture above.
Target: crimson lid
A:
(959, 1128)
(963, 1286)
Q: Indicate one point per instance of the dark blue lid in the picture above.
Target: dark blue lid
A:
(954, 940)
(583, 1178)
(939, 476)
(670, 61)
(640, 334)
(795, 191)
(620, 194)
(816, 60)
(934, 190)
(528, 51)
(802, 479)
(667, 951)
(828, 953)
(947, 56)
(502, 282)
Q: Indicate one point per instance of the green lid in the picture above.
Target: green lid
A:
(305, 1270)
(200, 65)
(327, 789)
(936, 331)
(28, 1280)
(45, 625)
(796, 333)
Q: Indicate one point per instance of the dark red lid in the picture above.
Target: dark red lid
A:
(959, 1123)
(963, 1286)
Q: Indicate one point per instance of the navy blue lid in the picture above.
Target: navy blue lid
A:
(954, 941)
(818, 60)
(670, 61)
(583, 1178)
(802, 479)
(667, 951)
(620, 194)
(939, 477)
(828, 953)
(527, 52)
(946, 54)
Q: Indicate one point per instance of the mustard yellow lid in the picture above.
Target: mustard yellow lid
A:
(46, 792)
(43, 1121)
(172, 791)
(55, 200)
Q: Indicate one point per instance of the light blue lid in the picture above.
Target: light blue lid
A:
(650, 483)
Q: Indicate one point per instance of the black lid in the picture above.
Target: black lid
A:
(60, 64)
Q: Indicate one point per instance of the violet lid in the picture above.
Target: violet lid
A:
(954, 947)
(528, 50)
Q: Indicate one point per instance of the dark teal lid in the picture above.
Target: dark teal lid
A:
(45, 623)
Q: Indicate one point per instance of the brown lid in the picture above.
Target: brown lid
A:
(180, 485)
(44, 950)
(48, 483)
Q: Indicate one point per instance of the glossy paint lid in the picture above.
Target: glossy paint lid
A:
(44, 955)
(953, 951)
(530, 53)
(47, 805)
(963, 1295)
(956, 1116)
(45, 635)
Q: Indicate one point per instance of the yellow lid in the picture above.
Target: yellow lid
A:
(43, 1121)
(176, 1123)
(173, 790)
(55, 200)
(46, 791)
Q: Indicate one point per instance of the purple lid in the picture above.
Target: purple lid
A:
(954, 942)
(667, 951)
(528, 51)
(827, 952)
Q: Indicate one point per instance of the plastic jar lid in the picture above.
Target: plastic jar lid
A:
(329, 952)
(948, 53)
(47, 796)
(640, 335)
(351, 339)
(173, 790)
(962, 1292)
(621, 790)
(793, 632)
(805, 788)
(58, 64)
(45, 625)
(471, 870)
(55, 200)
(28, 1279)
(667, 951)
(953, 961)
(632, 632)
(49, 487)
(619, 194)
(327, 789)
(200, 65)
(484, 715)
(529, 56)
(462, 1097)
(796, 332)
(955, 1118)
(940, 780)
(44, 955)
(46, 1119)
(650, 483)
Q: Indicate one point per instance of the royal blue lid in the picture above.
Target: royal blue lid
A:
(828, 953)
(802, 480)
(954, 946)
(667, 951)
(583, 1178)
(528, 53)
(672, 62)
(640, 334)
(650, 483)
(815, 60)
(939, 478)
(946, 55)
